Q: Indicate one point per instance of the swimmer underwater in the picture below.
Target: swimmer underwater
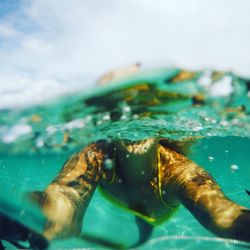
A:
(151, 178)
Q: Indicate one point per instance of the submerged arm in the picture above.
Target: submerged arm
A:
(65, 200)
(201, 195)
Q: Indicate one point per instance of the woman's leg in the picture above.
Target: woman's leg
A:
(66, 198)
(201, 195)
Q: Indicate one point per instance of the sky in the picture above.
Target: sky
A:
(49, 47)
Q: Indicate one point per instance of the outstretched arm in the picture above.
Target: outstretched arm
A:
(65, 200)
(201, 195)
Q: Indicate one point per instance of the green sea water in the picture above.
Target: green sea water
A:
(22, 173)
(35, 142)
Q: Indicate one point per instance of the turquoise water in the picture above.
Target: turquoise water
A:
(21, 174)
(37, 141)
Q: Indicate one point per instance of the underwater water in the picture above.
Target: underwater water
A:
(35, 143)
(21, 174)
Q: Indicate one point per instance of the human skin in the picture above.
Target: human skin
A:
(148, 177)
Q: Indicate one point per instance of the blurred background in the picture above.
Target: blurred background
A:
(50, 47)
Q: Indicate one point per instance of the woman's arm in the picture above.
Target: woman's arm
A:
(201, 195)
(65, 200)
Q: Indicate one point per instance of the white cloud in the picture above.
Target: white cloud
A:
(37, 45)
(22, 90)
(73, 42)
(7, 32)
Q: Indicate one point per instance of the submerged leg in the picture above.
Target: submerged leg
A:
(65, 200)
(201, 195)
(145, 231)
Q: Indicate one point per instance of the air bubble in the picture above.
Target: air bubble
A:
(205, 80)
(39, 142)
(88, 118)
(234, 167)
(127, 155)
(197, 128)
(99, 122)
(224, 123)
(126, 109)
(211, 158)
(124, 117)
(51, 130)
(108, 164)
(74, 124)
(106, 117)
(55, 139)
(15, 132)
(235, 121)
